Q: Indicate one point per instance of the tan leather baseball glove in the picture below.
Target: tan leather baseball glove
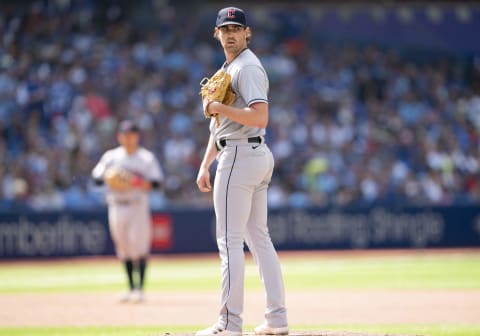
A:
(118, 179)
(216, 88)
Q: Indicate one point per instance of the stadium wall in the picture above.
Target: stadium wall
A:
(63, 234)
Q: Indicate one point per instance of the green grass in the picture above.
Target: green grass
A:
(416, 329)
(406, 272)
(392, 272)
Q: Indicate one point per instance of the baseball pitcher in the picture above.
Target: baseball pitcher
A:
(236, 100)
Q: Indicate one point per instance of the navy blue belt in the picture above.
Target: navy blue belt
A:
(223, 142)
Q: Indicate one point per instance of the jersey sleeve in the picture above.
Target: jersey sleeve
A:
(253, 84)
(154, 171)
(101, 166)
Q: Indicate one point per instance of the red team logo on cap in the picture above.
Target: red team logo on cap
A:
(231, 13)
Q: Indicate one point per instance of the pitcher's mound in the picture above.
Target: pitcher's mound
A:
(334, 333)
(316, 333)
(337, 333)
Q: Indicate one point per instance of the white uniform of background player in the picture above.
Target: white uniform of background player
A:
(129, 211)
(244, 170)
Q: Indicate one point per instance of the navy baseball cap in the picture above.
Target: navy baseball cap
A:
(231, 15)
(128, 126)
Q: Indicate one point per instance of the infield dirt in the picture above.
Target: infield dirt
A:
(200, 308)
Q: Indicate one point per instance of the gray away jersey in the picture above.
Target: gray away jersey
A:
(250, 84)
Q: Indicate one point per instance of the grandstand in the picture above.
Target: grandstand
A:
(370, 104)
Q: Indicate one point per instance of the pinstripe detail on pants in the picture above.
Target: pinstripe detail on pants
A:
(226, 228)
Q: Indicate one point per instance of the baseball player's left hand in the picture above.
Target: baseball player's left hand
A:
(203, 180)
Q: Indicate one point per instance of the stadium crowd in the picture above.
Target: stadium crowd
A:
(350, 125)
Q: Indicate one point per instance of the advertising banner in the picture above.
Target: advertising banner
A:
(63, 234)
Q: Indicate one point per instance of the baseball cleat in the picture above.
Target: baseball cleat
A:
(217, 331)
(137, 296)
(126, 297)
(264, 329)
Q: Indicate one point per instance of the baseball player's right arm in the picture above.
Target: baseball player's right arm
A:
(203, 177)
(255, 115)
(99, 169)
(253, 88)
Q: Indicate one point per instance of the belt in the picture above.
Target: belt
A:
(124, 202)
(223, 142)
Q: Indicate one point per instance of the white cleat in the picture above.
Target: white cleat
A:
(264, 329)
(217, 331)
(137, 296)
(127, 297)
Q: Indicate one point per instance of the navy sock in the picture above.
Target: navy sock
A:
(129, 269)
(142, 267)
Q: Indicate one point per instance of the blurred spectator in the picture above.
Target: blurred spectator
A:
(350, 125)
